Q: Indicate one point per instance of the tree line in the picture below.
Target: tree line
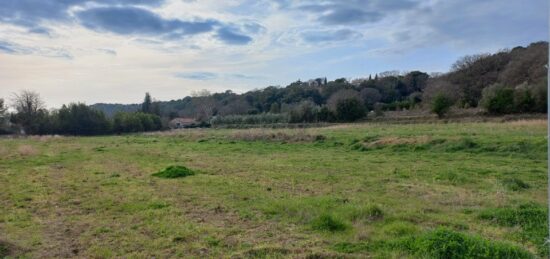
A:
(31, 117)
(509, 81)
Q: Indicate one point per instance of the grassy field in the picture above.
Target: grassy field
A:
(360, 190)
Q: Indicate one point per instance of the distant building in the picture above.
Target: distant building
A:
(180, 123)
(317, 82)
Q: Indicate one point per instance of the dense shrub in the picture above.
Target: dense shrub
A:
(124, 122)
(441, 105)
(305, 112)
(349, 110)
(80, 119)
(174, 172)
(325, 114)
(500, 99)
(266, 118)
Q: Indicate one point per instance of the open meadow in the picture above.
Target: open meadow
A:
(378, 190)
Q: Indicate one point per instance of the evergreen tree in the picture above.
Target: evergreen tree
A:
(147, 105)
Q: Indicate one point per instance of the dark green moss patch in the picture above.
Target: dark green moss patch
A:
(174, 172)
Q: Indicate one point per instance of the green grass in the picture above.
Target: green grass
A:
(530, 218)
(360, 190)
(448, 244)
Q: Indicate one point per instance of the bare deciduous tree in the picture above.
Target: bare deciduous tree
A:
(204, 107)
(27, 103)
(3, 115)
(201, 93)
(29, 109)
(3, 108)
(467, 61)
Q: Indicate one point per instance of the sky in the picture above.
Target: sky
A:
(113, 51)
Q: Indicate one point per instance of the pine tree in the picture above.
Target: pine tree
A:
(146, 107)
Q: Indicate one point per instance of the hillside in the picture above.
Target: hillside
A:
(520, 67)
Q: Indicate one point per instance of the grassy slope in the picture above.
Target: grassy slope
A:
(95, 197)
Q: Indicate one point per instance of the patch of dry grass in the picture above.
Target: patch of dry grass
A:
(289, 135)
(3, 151)
(528, 123)
(27, 150)
(400, 141)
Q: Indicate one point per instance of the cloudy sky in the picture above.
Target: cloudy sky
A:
(116, 50)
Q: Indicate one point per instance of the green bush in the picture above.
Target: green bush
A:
(349, 110)
(306, 111)
(80, 119)
(327, 222)
(174, 172)
(499, 101)
(448, 244)
(125, 122)
(441, 105)
(325, 114)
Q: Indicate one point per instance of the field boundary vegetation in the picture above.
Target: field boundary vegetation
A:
(511, 82)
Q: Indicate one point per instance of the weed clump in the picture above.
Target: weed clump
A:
(327, 222)
(531, 218)
(445, 243)
(515, 184)
(368, 213)
(174, 172)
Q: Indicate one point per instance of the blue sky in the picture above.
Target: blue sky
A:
(116, 50)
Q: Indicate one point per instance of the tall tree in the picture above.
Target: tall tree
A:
(2, 109)
(147, 105)
(30, 110)
(3, 115)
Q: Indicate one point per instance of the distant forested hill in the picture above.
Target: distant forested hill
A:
(111, 109)
(517, 76)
